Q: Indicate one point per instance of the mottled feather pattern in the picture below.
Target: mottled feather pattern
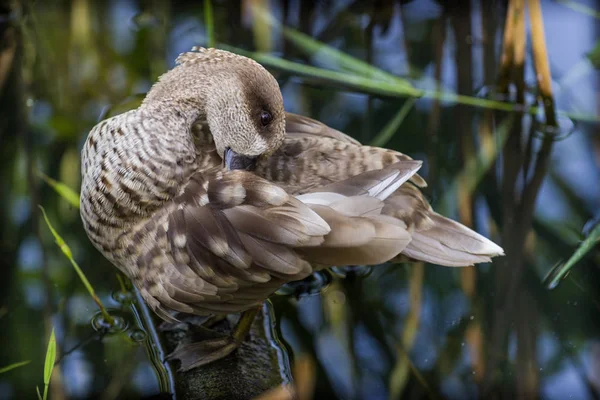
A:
(195, 237)
(210, 56)
(223, 243)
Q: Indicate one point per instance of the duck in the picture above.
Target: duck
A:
(210, 196)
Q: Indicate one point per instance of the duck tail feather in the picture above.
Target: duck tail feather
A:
(451, 244)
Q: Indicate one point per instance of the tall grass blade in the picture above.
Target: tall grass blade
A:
(332, 55)
(49, 363)
(392, 127)
(350, 80)
(561, 270)
(67, 252)
(209, 23)
(39, 395)
(390, 89)
(50, 358)
(13, 366)
(63, 190)
(59, 240)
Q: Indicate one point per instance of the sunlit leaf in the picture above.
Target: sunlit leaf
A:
(50, 358)
(63, 190)
(48, 365)
(13, 366)
(59, 240)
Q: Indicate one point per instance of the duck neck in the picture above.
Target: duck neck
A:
(168, 148)
(146, 167)
(182, 113)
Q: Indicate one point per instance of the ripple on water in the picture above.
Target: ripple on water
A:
(137, 335)
(563, 129)
(100, 324)
(310, 285)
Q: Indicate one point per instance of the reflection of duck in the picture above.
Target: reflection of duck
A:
(292, 197)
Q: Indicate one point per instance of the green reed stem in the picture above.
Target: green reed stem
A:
(12, 366)
(67, 252)
(209, 23)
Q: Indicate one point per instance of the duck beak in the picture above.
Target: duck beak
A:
(234, 160)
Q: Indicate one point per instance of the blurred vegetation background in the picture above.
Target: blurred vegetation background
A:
(451, 83)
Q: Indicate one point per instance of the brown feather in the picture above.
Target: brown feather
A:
(298, 125)
(451, 244)
(274, 257)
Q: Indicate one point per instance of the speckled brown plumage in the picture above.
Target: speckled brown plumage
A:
(198, 238)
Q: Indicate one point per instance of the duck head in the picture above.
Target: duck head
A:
(240, 100)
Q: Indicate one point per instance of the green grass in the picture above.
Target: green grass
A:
(67, 252)
(10, 367)
(63, 190)
(561, 270)
(209, 23)
(48, 366)
(313, 47)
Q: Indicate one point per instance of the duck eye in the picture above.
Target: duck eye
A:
(265, 118)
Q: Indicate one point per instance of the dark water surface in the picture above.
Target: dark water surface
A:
(411, 331)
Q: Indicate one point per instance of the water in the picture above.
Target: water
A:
(82, 61)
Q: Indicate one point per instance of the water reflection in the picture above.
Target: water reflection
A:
(385, 332)
(313, 284)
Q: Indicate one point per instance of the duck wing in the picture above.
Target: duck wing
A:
(228, 243)
(232, 238)
(316, 157)
(297, 126)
